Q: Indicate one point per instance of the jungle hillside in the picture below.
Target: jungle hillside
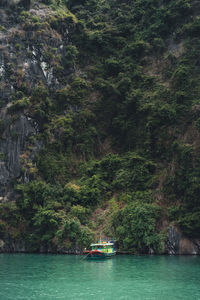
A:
(99, 124)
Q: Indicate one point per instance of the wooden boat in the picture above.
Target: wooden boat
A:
(101, 250)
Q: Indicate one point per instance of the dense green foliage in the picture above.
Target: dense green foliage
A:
(126, 123)
(135, 227)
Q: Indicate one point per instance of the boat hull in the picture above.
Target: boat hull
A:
(98, 255)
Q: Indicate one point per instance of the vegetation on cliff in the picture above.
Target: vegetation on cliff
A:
(118, 125)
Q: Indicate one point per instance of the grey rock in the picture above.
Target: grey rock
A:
(13, 146)
(172, 243)
(178, 244)
(35, 67)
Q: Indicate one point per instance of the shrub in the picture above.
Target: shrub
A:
(135, 227)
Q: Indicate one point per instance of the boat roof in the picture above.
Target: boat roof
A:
(103, 244)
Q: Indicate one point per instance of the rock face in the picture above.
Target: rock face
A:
(5, 3)
(12, 147)
(29, 53)
(10, 247)
(35, 51)
(178, 244)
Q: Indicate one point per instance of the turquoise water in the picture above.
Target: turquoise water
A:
(51, 277)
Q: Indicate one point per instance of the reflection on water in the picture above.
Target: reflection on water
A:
(49, 277)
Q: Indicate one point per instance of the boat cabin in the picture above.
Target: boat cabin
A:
(103, 247)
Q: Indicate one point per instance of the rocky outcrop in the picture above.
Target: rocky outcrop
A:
(10, 246)
(13, 145)
(30, 52)
(5, 3)
(177, 244)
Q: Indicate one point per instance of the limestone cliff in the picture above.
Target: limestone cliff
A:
(99, 125)
(30, 51)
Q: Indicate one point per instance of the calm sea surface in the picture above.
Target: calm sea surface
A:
(51, 277)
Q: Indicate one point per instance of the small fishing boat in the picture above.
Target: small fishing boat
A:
(101, 250)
